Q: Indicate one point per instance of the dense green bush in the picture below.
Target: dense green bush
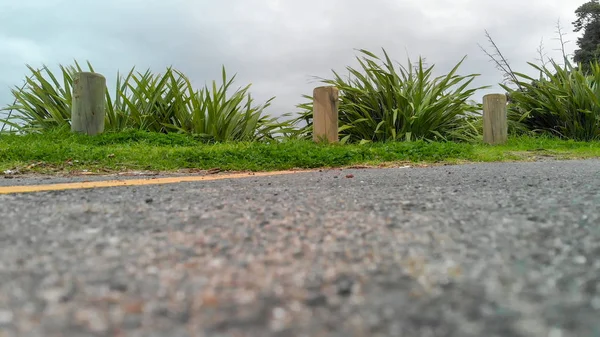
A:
(378, 102)
(564, 101)
(149, 102)
(381, 103)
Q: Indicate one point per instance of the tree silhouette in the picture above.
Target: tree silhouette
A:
(588, 21)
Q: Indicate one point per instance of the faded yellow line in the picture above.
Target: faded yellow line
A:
(132, 182)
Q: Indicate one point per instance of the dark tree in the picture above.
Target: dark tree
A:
(588, 21)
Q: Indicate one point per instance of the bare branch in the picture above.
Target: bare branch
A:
(541, 53)
(501, 64)
(561, 36)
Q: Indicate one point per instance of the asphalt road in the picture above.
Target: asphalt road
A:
(474, 250)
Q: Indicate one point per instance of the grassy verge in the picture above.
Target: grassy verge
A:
(69, 153)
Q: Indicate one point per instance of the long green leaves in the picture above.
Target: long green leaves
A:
(564, 101)
(381, 103)
(43, 103)
(150, 102)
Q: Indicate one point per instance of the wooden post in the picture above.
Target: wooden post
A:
(495, 127)
(325, 114)
(87, 112)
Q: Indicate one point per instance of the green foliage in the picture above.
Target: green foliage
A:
(586, 14)
(564, 101)
(588, 21)
(43, 103)
(381, 103)
(146, 101)
(561, 102)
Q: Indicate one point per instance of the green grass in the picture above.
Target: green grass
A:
(531, 148)
(137, 150)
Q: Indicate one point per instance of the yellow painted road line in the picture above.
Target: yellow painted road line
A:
(132, 182)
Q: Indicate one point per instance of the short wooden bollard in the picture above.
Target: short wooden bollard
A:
(495, 126)
(88, 105)
(325, 114)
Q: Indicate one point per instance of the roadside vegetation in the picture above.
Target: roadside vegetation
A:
(382, 102)
(66, 153)
(388, 114)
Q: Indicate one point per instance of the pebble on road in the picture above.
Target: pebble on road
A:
(472, 250)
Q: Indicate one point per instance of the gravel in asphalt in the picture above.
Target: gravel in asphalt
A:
(510, 249)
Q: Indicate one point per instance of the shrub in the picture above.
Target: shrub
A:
(381, 103)
(564, 101)
(149, 102)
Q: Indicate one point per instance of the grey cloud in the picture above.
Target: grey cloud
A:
(276, 45)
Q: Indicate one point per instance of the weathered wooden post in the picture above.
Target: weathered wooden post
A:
(87, 112)
(495, 127)
(325, 114)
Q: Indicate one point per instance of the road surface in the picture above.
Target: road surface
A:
(474, 250)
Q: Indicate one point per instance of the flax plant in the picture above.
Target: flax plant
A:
(380, 102)
(564, 101)
(43, 102)
(149, 102)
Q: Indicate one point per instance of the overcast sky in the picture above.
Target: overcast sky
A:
(277, 45)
